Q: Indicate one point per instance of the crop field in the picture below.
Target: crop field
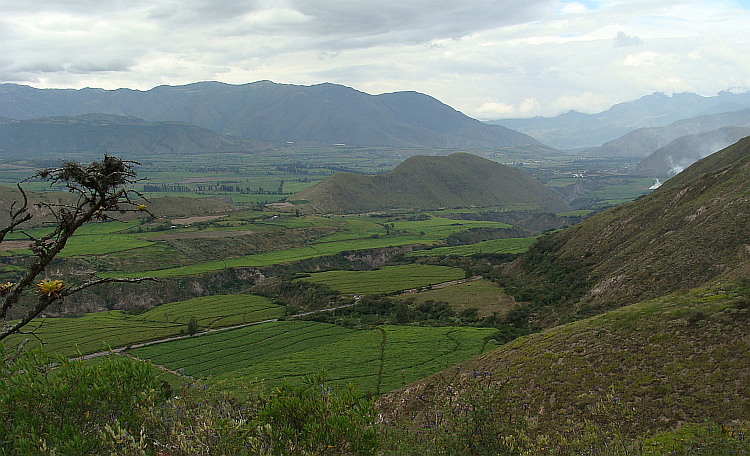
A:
(216, 311)
(112, 329)
(512, 245)
(386, 280)
(272, 352)
(482, 295)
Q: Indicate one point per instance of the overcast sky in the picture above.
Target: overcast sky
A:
(487, 58)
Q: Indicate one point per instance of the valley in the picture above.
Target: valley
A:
(413, 273)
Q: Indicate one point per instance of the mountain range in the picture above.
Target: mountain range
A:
(266, 111)
(686, 150)
(576, 131)
(645, 141)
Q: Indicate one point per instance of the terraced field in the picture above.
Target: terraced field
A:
(112, 329)
(386, 280)
(376, 360)
(513, 245)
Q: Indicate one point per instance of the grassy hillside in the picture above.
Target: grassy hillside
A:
(422, 182)
(682, 358)
(690, 230)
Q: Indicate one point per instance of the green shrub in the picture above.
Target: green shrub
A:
(52, 405)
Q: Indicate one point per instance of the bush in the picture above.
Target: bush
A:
(52, 405)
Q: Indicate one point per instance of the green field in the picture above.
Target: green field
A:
(272, 352)
(483, 295)
(97, 331)
(386, 280)
(513, 245)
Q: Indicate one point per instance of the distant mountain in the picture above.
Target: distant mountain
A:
(645, 141)
(686, 150)
(57, 137)
(426, 182)
(690, 230)
(575, 130)
(323, 113)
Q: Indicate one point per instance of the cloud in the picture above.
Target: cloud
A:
(488, 59)
(622, 40)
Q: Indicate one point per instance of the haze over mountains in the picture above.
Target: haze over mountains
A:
(575, 130)
(118, 135)
(266, 111)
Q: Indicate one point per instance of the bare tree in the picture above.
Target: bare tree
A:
(101, 189)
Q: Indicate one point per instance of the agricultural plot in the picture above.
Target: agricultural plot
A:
(112, 329)
(386, 280)
(378, 360)
(513, 245)
(216, 311)
(482, 295)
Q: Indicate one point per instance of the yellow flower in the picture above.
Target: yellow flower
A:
(4, 288)
(50, 287)
(141, 207)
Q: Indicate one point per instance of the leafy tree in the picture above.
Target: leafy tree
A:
(102, 188)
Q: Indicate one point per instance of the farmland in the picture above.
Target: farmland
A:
(386, 280)
(217, 217)
(272, 352)
(112, 329)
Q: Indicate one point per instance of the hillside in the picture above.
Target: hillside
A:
(323, 113)
(641, 369)
(575, 130)
(645, 141)
(57, 137)
(690, 230)
(686, 150)
(426, 182)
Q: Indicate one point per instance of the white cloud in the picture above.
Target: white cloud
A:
(487, 59)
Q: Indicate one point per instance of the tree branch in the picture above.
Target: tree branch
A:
(46, 300)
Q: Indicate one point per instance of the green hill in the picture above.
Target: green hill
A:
(422, 182)
(682, 358)
(691, 230)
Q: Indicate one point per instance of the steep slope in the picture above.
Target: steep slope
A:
(645, 141)
(575, 130)
(422, 182)
(682, 358)
(694, 228)
(686, 150)
(57, 136)
(323, 113)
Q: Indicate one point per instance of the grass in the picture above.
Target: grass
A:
(272, 352)
(512, 245)
(482, 295)
(112, 329)
(677, 359)
(386, 280)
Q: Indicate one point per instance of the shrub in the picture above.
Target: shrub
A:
(55, 405)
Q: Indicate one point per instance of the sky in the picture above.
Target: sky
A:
(490, 59)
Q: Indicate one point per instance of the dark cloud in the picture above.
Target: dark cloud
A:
(622, 40)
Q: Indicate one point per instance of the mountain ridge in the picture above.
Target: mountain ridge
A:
(263, 110)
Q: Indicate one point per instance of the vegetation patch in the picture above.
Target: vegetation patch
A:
(386, 280)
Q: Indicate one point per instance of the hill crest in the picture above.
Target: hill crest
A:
(431, 182)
